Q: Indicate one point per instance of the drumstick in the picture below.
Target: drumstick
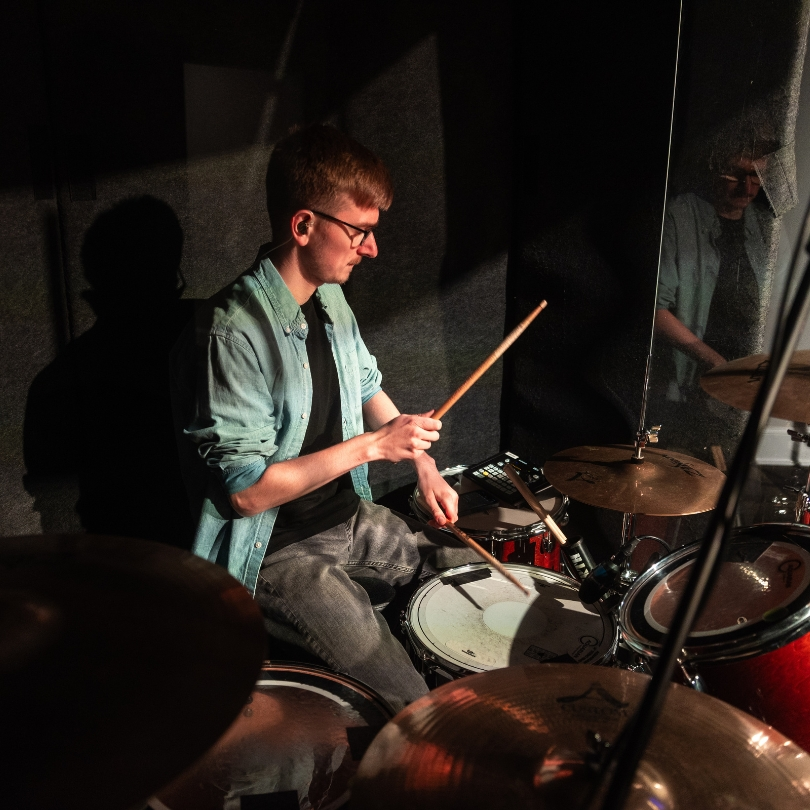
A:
(485, 556)
(532, 501)
(505, 344)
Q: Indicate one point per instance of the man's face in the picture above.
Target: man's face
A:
(334, 249)
(737, 185)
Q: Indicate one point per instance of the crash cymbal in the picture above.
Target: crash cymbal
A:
(121, 662)
(737, 383)
(521, 738)
(664, 483)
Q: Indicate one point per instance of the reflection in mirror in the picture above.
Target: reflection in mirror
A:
(734, 178)
(730, 226)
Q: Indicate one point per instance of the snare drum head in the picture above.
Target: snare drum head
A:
(761, 593)
(298, 741)
(505, 520)
(473, 619)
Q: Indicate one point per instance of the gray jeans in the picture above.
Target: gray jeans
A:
(308, 598)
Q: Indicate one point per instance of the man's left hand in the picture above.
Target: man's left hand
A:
(441, 499)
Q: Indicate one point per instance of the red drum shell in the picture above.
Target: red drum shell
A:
(761, 666)
(773, 686)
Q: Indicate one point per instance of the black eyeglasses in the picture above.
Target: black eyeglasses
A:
(364, 231)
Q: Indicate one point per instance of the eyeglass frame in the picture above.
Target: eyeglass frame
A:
(365, 231)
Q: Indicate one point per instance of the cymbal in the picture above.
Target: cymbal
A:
(121, 662)
(665, 483)
(736, 383)
(520, 737)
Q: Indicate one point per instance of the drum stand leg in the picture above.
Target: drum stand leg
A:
(629, 542)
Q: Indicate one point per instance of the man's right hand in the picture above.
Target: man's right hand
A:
(406, 437)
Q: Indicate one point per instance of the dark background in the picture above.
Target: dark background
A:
(528, 146)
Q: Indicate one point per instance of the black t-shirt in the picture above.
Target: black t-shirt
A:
(335, 502)
(733, 321)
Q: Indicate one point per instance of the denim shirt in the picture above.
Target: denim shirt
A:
(690, 264)
(253, 399)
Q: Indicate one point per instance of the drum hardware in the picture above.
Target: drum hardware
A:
(109, 649)
(528, 737)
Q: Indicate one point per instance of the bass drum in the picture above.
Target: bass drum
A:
(472, 619)
(508, 533)
(297, 743)
(750, 646)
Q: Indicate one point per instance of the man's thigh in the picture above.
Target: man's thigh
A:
(398, 548)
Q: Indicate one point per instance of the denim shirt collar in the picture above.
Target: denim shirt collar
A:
(286, 308)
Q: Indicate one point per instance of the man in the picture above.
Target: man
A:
(284, 383)
(713, 273)
(712, 284)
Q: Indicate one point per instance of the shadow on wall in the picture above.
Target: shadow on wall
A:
(98, 418)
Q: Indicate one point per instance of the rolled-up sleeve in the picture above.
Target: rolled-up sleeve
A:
(668, 279)
(234, 425)
(370, 375)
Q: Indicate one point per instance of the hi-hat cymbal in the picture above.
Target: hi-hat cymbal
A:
(521, 738)
(664, 483)
(121, 662)
(736, 383)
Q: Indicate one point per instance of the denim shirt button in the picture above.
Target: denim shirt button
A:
(304, 325)
(258, 545)
(287, 329)
(306, 365)
(303, 416)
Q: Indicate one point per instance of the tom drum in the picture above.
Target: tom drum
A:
(750, 645)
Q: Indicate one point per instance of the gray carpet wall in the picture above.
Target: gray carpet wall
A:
(133, 170)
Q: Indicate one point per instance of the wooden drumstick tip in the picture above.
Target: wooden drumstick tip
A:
(534, 504)
(502, 347)
(487, 557)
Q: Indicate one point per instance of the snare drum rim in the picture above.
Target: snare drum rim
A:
(297, 668)
(428, 654)
(761, 639)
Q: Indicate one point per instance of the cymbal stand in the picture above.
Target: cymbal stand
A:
(802, 514)
(629, 539)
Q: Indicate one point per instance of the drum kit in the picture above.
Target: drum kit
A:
(130, 670)
(746, 663)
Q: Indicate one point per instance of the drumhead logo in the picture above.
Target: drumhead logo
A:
(787, 568)
(594, 702)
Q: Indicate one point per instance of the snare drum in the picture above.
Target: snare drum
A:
(297, 743)
(750, 645)
(472, 619)
(507, 533)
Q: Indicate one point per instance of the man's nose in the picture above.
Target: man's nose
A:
(369, 247)
(751, 184)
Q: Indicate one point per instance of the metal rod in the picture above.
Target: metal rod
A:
(646, 390)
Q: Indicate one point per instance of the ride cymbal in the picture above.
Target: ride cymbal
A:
(664, 483)
(121, 662)
(736, 383)
(523, 737)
